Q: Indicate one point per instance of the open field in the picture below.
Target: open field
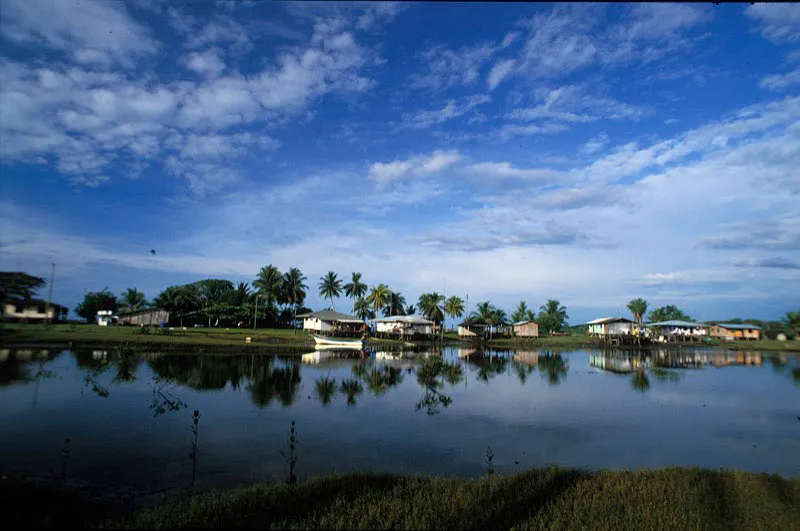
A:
(88, 335)
(673, 498)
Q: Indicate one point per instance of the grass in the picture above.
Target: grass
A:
(672, 498)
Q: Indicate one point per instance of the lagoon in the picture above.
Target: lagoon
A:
(128, 415)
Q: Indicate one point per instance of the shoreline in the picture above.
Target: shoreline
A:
(674, 497)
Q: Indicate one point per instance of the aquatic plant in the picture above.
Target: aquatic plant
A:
(291, 457)
(489, 461)
(193, 453)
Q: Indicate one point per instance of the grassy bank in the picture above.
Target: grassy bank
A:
(675, 498)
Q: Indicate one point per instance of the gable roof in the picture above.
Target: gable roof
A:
(410, 319)
(329, 315)
(605, 320)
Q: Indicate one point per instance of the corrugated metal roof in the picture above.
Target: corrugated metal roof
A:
(675, 322)
(732, 326)
(604, 320)
(328, 315)
(410, 319)
(520, 323)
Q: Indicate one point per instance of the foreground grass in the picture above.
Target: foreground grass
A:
(674, 498)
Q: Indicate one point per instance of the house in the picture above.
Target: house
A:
(404, 325)
(676, 330)
(482, 330)
(330, 322)
(611, 326)
(106, 318)
(730, 331)
(34, 310)
(145, 317)
(525, 329)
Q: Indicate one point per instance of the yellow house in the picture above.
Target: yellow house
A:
(730, 332)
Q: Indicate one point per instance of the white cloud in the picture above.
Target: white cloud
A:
(452, 109)
(781, 81)
(575, 103)
(206, 63)
(595, 144)
(385, 173)
(500, 71)
(778, 23)
(89, 31)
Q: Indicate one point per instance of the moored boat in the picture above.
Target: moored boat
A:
(338, 342)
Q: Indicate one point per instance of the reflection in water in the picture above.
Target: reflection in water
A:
(640, 381)
(554, 367)
(432, 373)
(274, 378)
(325, 387)
(351, 388)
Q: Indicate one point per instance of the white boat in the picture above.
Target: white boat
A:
(338, 342)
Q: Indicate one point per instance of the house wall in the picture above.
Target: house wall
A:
(466, 332)
(317, 325)
(616, 329)
(527, 330)
(30, 312)
(725, 333)
(150, 318)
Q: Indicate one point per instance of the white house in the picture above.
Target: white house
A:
(106, 318)
(404, 325)
(34, 310)
(330, 322)
(610, 326)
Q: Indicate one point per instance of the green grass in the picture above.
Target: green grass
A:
(673, 498)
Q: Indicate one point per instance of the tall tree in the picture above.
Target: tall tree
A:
(498, 317)
(379, 297)
(553, 316)
(792, 321)
(18, 286)
(395, 305)
(242, 295)
(410, 310)
(483, 312)
(638, 307)
(329, 287)
(667, 313)
(131, 300)
(294, 291)
(454, 307)
(355, 289)
(268, 284)
(430, 304)
(363, 309)
(95, 301)
(521, 313)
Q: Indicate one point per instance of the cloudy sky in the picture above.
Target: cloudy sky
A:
(588, 153)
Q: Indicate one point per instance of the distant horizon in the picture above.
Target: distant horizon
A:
(590, 153)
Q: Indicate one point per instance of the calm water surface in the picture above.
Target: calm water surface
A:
(128, 416)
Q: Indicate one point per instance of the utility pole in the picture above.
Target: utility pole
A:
(49, 294)
(255, 312)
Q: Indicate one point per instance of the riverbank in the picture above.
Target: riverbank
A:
(266, 340)
(676, 498)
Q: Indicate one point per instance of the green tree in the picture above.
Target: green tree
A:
(18, 286)
(395, 306)
(294, 291)
(355, 289)
(667, 313)
(522, 313)
(213, 294)
(638, 307)
(498, 317)
(454, 307)
(553, 316)
(242, 295)
(410, 310)
(792, 321)
(362, 309)
(483, 312)
(430, 304)
(379, 297)
(179, 301)
(329, 287)
(95, 301)
(269, 286)
(131, 300)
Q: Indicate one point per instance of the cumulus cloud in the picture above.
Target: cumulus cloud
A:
(207, 62)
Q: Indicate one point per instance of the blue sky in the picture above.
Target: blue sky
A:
(588, 153)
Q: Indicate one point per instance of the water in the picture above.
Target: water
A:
(128, 417)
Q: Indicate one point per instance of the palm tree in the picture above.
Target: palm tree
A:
(410, 310)
(362, 309)
(521, 313)
(268, 283)
(430, 304)
(553, 316)
(395, 305)
(379, 297)
(483, 312)
(242, 294)
(131, 300)
(498, 317)
(638, 308)
(454, 307)
(294, 291)
(355, 289)
(329, 287)
(792, 321)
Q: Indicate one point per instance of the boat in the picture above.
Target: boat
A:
(338, 342)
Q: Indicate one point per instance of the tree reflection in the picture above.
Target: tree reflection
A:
(325, 387)
(665, 375)
(432, 372)
(553, 367)
(523, 370)
(351, 388)
(274, 380)
(379, 379)
(488, 366)
(640, 381)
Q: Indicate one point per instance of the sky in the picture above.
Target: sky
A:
(589, 153)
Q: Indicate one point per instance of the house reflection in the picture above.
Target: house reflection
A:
(627, 362)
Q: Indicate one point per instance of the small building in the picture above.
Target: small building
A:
(525, 329)
(478, 330)
(611, 326)
(145, 317)
(676, 330)
(729, 331)
(330, 322)
(106, 318)
(404, 326)
(34, 310)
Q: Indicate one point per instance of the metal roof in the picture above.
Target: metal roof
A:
(520, 323)
(675, 322)
(410, 319)
(732, 326)
(328, 315)
(604, 320)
